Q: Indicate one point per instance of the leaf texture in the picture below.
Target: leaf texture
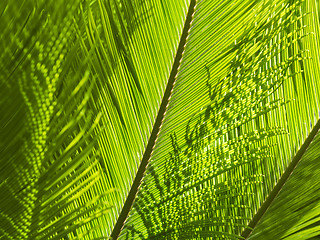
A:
(193, 110)
(294, 214)
(245, 98)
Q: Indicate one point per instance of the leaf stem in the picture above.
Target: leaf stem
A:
(156, 127)
(267, 203)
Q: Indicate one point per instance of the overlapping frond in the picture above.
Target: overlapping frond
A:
(245, 98)
(294, 213)
(133, 46)
(50, 172)
(84, 89)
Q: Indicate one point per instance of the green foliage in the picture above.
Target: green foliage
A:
(214, 104)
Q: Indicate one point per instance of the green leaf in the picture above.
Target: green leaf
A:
(158, 119)
(294, 213)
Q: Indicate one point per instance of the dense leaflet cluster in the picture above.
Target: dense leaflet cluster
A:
(230, 134)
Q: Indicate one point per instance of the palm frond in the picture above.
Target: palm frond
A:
(186, 119)
(50, 163)
(294, 213)
(232, 122)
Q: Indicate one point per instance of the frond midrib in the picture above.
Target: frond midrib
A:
(156, 127)
(277, 188)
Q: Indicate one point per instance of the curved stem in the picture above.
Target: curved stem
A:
(156, 127)
(267, 203)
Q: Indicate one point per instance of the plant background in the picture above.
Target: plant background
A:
(81, 86)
